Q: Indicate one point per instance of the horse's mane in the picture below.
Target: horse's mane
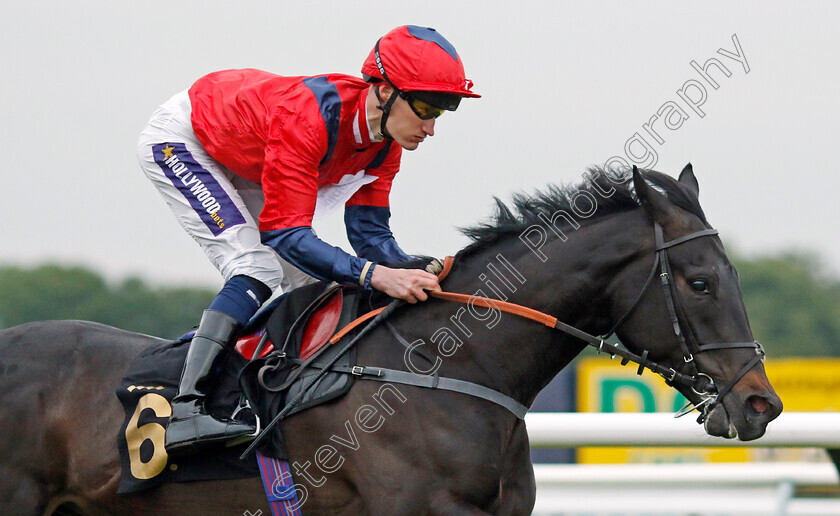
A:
(524, 209)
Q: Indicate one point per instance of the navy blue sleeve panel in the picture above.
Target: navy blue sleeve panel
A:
(300, 247)
(370, 234)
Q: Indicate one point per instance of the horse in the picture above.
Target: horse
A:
(582, 252)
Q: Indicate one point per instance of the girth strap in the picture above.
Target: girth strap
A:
(381, 374)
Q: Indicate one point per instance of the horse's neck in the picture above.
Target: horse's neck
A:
(521, 356)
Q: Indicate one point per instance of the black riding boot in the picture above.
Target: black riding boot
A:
(190, 426)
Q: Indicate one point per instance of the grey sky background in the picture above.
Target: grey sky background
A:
(565, 86)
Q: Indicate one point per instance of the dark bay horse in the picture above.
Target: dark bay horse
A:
(583, 254)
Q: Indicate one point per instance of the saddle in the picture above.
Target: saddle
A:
(270, 367)
(300, 323)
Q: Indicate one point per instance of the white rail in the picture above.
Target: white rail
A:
(743, 489)
(571, 430)
(706, 474)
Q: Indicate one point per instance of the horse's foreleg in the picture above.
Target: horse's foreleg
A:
(518, 487)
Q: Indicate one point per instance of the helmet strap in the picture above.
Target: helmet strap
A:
(386, 109)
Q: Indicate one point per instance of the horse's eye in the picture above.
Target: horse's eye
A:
(699, 285)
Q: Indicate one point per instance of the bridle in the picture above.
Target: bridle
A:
(700, 383)
(710, 394)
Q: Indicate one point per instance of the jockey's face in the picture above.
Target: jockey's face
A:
(407, 129)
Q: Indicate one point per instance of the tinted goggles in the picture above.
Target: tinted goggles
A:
(421, 108)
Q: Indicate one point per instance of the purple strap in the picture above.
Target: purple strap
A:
(279, 486)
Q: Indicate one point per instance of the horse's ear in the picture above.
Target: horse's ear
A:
(688, 180)
(657, 204)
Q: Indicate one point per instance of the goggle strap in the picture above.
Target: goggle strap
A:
(381, 67)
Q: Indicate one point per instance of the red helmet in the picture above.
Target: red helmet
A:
(412, 58)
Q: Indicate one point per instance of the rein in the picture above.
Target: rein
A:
(598, 343)
(700, 383)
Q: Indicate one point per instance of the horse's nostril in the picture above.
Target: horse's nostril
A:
(759, 404)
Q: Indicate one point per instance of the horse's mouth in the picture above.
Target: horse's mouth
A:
(745, 419)
(717, 423)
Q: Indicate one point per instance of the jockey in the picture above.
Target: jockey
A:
(246, 160)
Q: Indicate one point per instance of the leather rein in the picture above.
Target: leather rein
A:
(700, 383)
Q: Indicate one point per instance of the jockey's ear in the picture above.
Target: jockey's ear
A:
(688, 180)
(385, 91)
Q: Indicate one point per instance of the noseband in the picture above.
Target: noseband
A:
(700, 383)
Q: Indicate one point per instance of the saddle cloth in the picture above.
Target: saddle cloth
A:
(298, 325)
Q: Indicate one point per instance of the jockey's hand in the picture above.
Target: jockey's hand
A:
(406, 284)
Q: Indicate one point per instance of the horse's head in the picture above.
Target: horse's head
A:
(690, 315)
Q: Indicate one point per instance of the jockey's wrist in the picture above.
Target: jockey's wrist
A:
(367, 274)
